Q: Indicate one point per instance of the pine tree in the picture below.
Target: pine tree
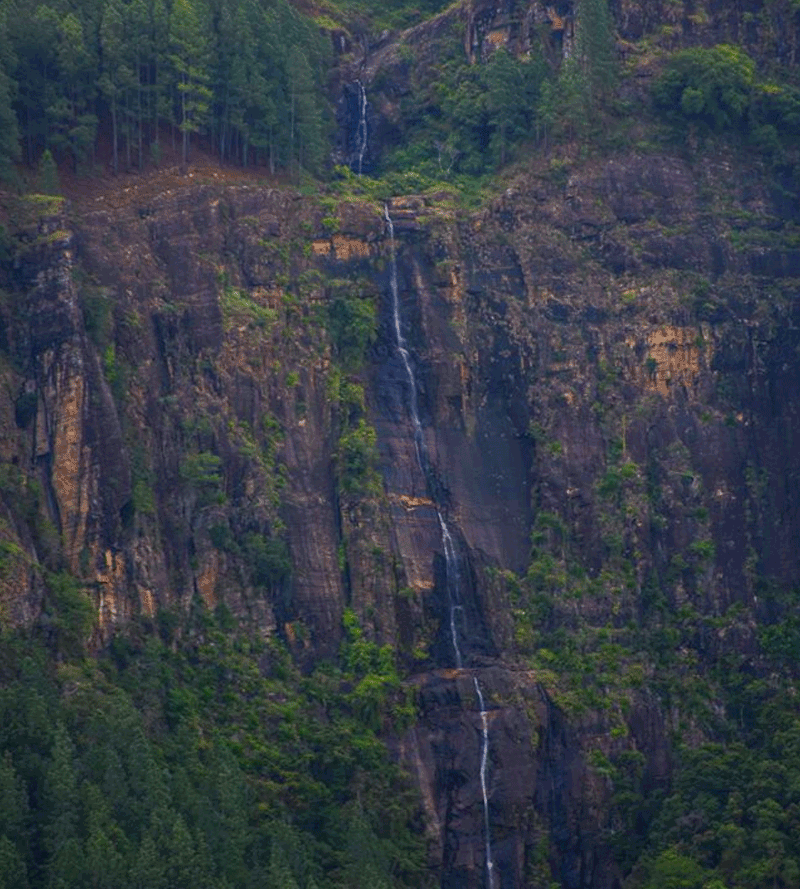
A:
(13, 873)
(183, 864)
(9, 133)
(512, 88)
(595, 53)
(14, 823)
(106, 846)
(73, 123)
(189, 41)
(48, 174)
(117, 75)
(266, 84)
(139, 50)
(148, 871)
(229, 76)
(64, 853)
(157, 64)
(34, 36)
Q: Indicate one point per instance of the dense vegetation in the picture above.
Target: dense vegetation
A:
(199, 758)
(116, 78)
(245, 74)
(731, 818)
(464, 120)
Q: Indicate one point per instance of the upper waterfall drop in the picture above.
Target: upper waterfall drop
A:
(450, 557)
(400, 343)
(361, 130)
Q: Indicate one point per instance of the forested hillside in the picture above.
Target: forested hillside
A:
(253, 83)
(398, 444)
(248, 76)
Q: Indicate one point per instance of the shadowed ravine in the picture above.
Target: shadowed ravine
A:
(452, 573)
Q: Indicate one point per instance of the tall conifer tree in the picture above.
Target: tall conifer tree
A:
(117, 75)
(9, 134)
(595, 52)
(189, 43)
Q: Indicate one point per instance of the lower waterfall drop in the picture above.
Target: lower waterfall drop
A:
(452, 574)
(484, 764)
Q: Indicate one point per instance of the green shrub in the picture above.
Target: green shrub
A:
(98, 315)
(70, 613)
(358, 458)
(352, 323)
(201, 473)
(711, 87)
(269, 559)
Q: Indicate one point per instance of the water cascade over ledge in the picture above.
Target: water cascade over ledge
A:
(452, 573)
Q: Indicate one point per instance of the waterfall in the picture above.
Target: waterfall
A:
(413, 405)
(453, 584)
(451, 560)
(361, 131)
(452, 574)
(484, 764)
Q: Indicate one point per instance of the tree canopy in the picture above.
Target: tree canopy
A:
(248, 76)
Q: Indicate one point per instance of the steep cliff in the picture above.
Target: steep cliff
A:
(596, 363)
(207, 405)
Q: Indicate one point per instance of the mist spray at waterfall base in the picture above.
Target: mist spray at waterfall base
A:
(452, 573)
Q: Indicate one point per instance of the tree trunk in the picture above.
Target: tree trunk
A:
(114, 136)
(185, 130)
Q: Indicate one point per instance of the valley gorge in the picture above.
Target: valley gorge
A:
(543, 447)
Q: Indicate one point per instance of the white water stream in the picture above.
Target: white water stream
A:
(484, 764)
(361, 132)
(453, 578)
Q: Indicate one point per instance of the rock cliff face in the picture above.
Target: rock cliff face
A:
(592, 346)
(602, 385)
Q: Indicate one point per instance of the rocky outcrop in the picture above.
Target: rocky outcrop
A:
(66, 460)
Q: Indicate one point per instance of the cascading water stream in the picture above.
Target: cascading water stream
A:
(453, 579)
(361, 132)
(413, 408)
(453, 585)
(451, 562)
(484, 764)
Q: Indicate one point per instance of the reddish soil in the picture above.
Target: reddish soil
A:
(102, 188)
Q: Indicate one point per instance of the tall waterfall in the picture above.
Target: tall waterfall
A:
(361, 131)
(452, 573)
(484, 792)
(451, 560)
